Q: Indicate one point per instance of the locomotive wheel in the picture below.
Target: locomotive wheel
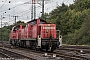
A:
(21, 44)
(38, 49)
(51, 50)
(33, 45)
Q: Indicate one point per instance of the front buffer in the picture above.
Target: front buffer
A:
(50, 44)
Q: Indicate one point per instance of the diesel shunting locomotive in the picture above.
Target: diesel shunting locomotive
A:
(37, 34)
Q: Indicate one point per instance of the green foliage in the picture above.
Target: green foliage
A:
(81, 5)
(20, 22)
(81, 36)
(5, 31)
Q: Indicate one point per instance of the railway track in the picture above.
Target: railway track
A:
(63, 53)
(75, 52)
(83, 49)
(76, 49)
(12, 55)
(36, 55)
(71, 55)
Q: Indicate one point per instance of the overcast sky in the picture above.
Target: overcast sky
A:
(19, 8)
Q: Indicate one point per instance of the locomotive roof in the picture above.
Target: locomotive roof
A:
(17, 27)
(37, 19)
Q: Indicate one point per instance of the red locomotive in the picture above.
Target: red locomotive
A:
(37, 34)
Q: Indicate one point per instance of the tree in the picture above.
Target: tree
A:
(81, 5)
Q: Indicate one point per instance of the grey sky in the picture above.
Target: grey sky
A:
(18, 8)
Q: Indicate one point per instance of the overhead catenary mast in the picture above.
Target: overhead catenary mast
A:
(15, 18)
(33, 11)
(43, 9)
